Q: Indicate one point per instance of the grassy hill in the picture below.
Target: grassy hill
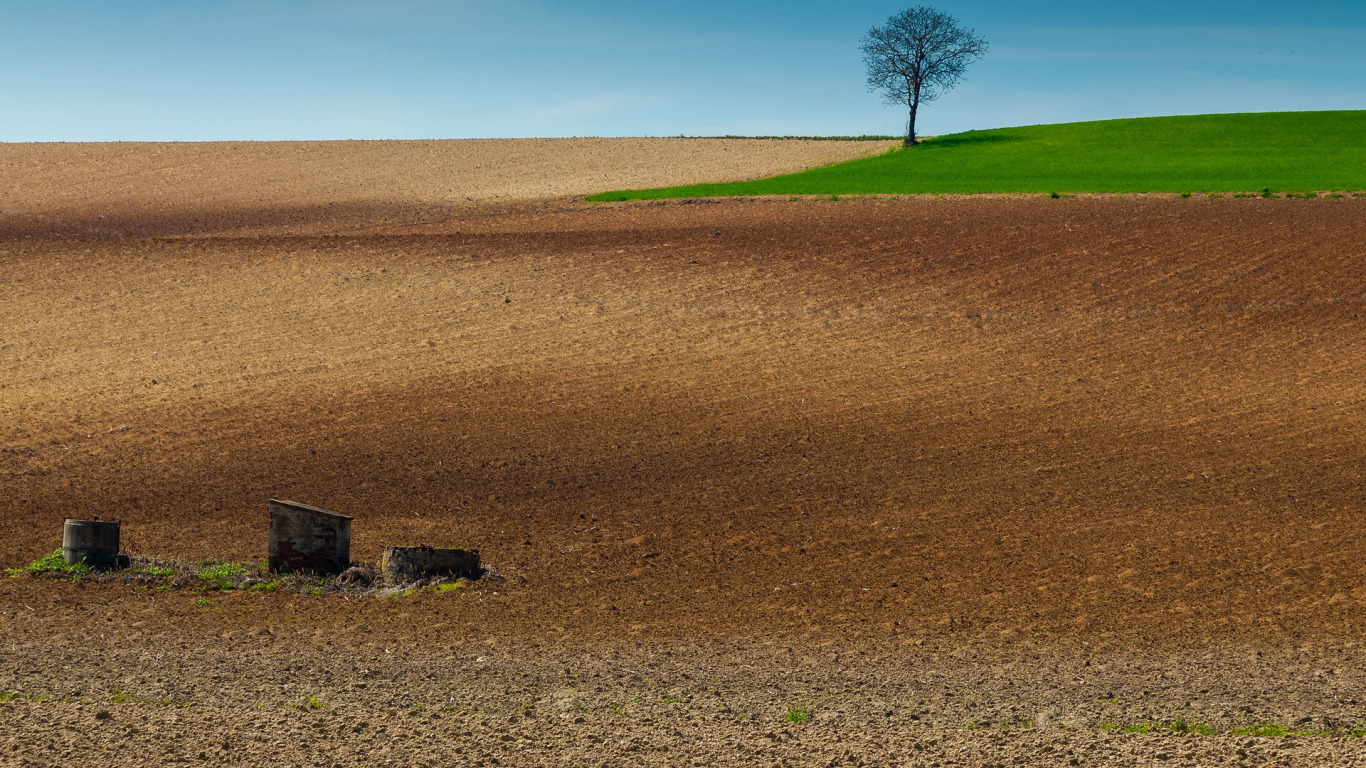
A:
(1284, 151)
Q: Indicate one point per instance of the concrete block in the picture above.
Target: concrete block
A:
(304, 538)
(400, 564)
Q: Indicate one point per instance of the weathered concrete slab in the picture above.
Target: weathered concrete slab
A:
(400, 564)
(304, 538)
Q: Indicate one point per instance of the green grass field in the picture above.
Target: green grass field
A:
(1282, 151)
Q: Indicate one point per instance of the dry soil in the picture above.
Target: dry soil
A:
(970, 481)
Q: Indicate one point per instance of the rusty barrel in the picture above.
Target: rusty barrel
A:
(94, 541)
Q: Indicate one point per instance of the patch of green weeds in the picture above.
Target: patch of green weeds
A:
(150, 574)
(1302, 195)
(55, 563)
(313, 702)
(10, 696)
(1054, 196)
(1185, 195)
(1266, 193)
(201, 602)
(223, 574)
(1180, 725)
(1262, 730)
(119, 697)
(835, 198)
(1334, 196)
(1215, 196)
(671, 700)
(798, 714)
(1265, 730)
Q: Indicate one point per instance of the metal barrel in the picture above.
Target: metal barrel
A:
(94, 541)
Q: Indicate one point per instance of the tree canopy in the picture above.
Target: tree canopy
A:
(917, 56)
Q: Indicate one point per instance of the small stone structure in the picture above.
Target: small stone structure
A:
(94, 541)
(304, 538)
(400, 564)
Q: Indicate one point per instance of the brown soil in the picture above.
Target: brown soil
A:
(1024, 465)
(147, 188)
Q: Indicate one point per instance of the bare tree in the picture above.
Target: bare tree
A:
(917, 56)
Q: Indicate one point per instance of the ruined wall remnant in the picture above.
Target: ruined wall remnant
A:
(400, 564)
(304, 538)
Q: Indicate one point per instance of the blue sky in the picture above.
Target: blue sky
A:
(191, 70)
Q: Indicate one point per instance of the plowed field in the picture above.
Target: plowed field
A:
(964, 479)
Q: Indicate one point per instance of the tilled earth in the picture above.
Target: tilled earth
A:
(968, 481)
(147, 189)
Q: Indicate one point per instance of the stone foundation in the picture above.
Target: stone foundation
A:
(400, 564)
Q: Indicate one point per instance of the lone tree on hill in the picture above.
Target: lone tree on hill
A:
(917, 56)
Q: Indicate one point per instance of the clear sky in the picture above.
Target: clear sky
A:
(95, 70)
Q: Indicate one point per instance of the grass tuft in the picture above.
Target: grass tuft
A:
(222, 574)
(1262, 730)
(55, 564)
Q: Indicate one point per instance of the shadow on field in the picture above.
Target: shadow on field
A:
(151, 221)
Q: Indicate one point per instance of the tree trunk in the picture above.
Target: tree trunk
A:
(911, 140)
